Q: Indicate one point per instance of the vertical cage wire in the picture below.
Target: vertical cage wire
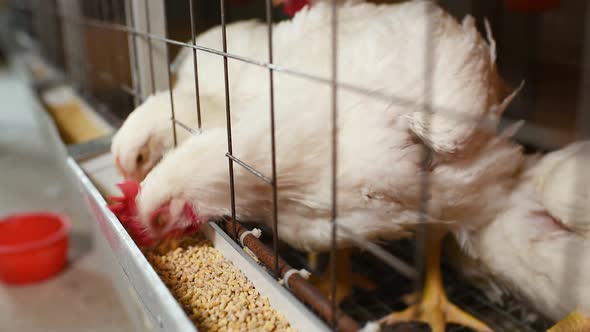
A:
(149, 43)
(173, 113)
(134, 56)
(195, 65)
(422, 230)
(334, 158)
(228, 119)
(275, 225)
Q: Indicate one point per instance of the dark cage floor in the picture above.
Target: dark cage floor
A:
(363, 305)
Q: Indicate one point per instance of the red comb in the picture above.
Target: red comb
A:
(125, 208)
(290, 7)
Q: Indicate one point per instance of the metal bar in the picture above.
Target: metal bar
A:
(388, 258)
(334, 175)
(250, 169)
(171, 97)
(228, 119)
(299, 285)
(422, 231)
(134, 58)
(196, 68)
(150, 48)
(275, 226)
(185, 127)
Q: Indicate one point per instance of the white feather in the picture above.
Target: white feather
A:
(563, 185)
(524, 252)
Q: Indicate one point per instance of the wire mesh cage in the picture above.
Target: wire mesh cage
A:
(119, 52)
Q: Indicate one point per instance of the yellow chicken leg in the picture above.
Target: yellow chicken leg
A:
(434, 308)
(574, 322)
(345, 279)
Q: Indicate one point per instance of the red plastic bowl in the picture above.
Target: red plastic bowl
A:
(33, 246)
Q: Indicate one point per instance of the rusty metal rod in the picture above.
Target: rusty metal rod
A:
(300, 287)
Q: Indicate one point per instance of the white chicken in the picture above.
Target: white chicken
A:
(381, 49)
(146, 135)
(536, 245)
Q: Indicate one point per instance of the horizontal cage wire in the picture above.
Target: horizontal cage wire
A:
(398, 260)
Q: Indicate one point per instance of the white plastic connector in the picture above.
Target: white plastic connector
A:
(256, 232)
(303, 272)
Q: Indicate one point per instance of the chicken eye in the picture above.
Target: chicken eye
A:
(139, 159)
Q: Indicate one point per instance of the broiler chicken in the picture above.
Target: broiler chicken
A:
(146, 135)
(536, 244)
(381, 140)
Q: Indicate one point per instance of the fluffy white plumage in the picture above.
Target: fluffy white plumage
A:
(564, 186)
(382, 48)
(146, 135)
(535, 246)
(244, 38)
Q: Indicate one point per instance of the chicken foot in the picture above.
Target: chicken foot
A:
(345, 279)
(574, 322)
(433, 307)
